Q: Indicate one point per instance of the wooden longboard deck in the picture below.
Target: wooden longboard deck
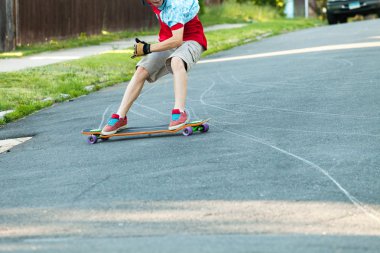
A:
(133, 131)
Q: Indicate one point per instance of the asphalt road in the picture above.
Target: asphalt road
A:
(291, 162)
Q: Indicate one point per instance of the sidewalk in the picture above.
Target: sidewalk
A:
(43, 59)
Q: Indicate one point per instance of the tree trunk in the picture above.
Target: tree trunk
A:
(7, 25)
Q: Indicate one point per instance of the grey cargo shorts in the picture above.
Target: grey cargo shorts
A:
(158, 64)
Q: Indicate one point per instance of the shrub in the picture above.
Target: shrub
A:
(233, 12)
(278, 4)
(202, 5)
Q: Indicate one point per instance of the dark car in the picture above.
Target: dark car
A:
(340, 10)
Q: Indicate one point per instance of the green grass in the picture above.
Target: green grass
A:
(24, 91)
(232, 12)
(80, 41)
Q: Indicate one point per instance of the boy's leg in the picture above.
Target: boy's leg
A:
(179, 63)
(180, 83)
(133, 91)
(179, 116)
(119, 121)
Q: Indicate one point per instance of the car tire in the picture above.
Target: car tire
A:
(343, 19)
(332, 19)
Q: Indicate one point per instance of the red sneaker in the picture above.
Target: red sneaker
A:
(178, 119)
(114, 124)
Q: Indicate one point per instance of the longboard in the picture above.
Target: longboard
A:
(188, 129)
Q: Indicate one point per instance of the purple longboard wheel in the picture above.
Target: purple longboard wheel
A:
(92, 139)
(187, 131)
(205, 128)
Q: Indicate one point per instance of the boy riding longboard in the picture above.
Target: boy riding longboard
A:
(181, 43)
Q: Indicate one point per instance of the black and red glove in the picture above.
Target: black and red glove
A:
(141, 48)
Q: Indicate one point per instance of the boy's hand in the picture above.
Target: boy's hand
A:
(141, 48)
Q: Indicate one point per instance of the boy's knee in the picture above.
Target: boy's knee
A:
(141, 73)
(177, 64)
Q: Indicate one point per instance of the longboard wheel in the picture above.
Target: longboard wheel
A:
(92, 139)
(204, 128)
(187, 131)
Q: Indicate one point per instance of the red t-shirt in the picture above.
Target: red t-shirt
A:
(193, 30)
